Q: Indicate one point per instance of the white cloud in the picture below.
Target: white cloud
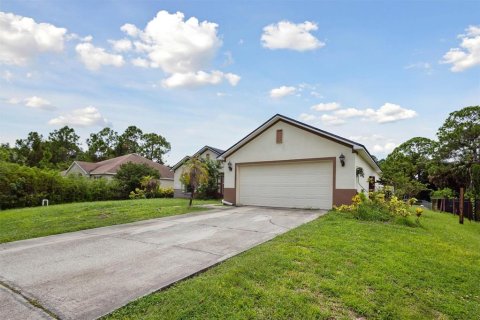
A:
(232, 78)
(176, 45)
(198, 79)
(282, 91)
(288, 35)
(139, 62)
(85, 117)
(353, 112)
(331, 120)
(306, 117)
(21, 39)
(326, 106)
(94, 57)
(130, 29)
(38, 103)
(360, 138)
(389, 112)
(121, 45)
(468, 55)
(384, 148)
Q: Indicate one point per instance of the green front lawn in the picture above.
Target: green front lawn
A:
(17, 224)
(336, 267)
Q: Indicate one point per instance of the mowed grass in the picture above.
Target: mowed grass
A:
(18, 224)
(336, 268)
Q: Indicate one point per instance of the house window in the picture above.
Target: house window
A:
(208, 156)
(279, 136)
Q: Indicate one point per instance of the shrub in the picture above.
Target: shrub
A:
(130, 174)
(164, 192)
(376, 208)
(22, 186)
(137, 194)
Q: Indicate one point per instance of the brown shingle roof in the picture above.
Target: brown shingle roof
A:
(111, 166)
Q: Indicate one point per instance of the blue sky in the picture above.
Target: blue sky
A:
(376, 72)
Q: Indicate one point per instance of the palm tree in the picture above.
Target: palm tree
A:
(194, 174)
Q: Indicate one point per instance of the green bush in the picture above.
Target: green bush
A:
(22, 186)
(376, 208)
(164, 192)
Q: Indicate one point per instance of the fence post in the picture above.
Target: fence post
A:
(460, 213)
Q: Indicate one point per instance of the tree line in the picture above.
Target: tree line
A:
(452, 161)
(62, 147)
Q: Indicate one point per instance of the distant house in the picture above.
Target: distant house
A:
(108, 168)
(207, 152)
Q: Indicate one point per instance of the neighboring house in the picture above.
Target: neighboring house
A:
(287, 163)
(108, 168)
(207, 152)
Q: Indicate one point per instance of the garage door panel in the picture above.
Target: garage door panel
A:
(298, 184)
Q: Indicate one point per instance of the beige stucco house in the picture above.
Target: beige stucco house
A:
(207, 152)
(108, 168)
(287, 163)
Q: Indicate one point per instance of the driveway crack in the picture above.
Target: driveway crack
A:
(197, 250)
(230, 228)
(32, 302)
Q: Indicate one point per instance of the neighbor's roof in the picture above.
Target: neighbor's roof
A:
(360, 148)
(111, 166)
(199, 152)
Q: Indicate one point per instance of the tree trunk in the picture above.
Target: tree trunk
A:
(191, 196)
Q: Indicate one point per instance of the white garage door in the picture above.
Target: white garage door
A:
(289, 185)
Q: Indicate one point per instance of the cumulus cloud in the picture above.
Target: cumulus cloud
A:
(174, 44)
(384, 148)
(306, 117)
(468, 55)
(139, 62)
(182, 48)
(121, 45)
(326, 106)
(282, 91)
(130, 29)
(288, 35)
(85, 117)
(22, 38)
(94, 57)
(198, 79)
(33, 102)
(38, 103)
(332, 119)
(389, 112)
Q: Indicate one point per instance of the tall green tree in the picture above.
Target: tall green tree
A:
(30, 151)
(101, 145)
(459, 141)
(130, 175)
(64, 147)
(154, 146)
(406, 168)
(195, 173)
(129, 141)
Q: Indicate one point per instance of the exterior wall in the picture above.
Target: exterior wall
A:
(76, 170)
(166, 183)
(297, 144)
(368, 170)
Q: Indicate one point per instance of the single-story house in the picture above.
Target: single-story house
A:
(108, 168)
(287, 163)
(206, 152)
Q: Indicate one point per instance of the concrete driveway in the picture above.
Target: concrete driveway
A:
(87, 274)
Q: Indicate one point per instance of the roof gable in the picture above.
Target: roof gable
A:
(327, 135)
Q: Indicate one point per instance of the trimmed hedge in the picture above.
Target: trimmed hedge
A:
(22, 186)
